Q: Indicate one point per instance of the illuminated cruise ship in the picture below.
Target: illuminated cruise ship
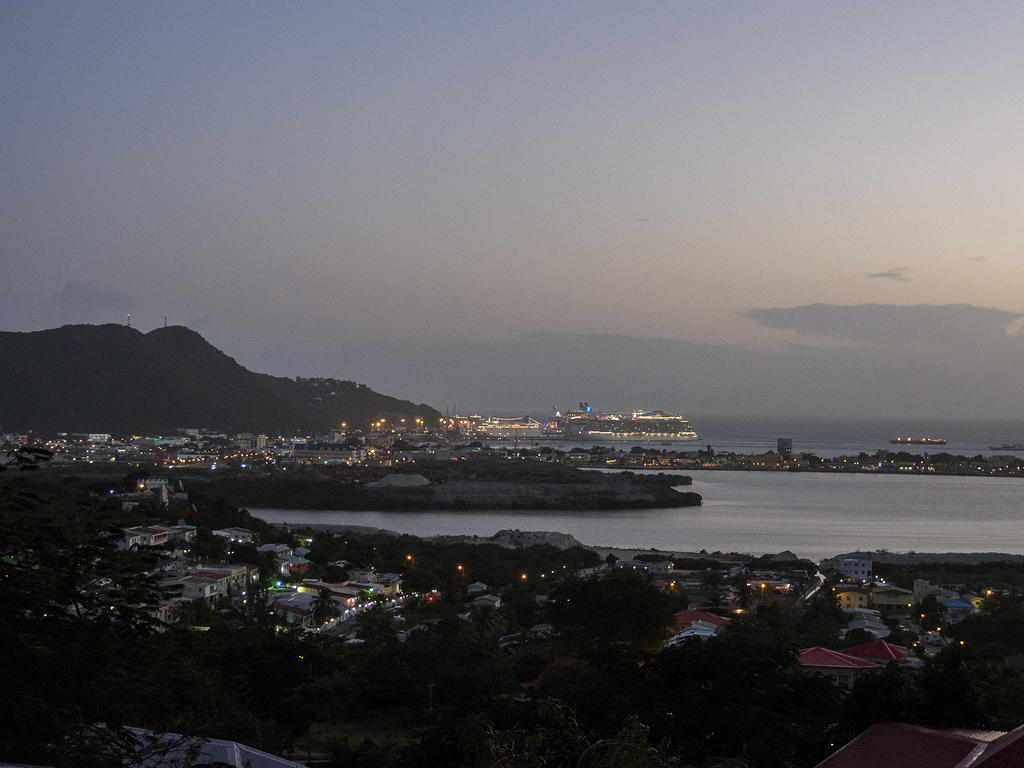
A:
(506, 429)
(639, 426)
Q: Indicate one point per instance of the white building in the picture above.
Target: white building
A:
(855, 569)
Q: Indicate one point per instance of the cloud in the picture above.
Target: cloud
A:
(896, 273)
(892, 325)
(76, 302)
(18, 310)
(88, 303)
(920, 361)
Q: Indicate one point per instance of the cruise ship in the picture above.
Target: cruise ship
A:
(585, 423)
(507, 429)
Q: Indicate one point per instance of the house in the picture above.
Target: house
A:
(292, 564)
(956, 609)
(240, 535)
(221, 579)
(295, 607)
(145, 536)
(152, 536)
(685, 619)
(182, 532)
(235, 576)
(156, 535)
(277, 550)
(887, 596)
(851, 596)
(388, 584)
(899, 745)
(880, 652)
(699, 629)
(476, 588)
(975, 600)
(866, 619)
(198, 588)
(924, 588)
(487, 601)
(132, 538)
(343, 594)
(841, 667)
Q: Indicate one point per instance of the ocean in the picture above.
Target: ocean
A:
(829, 437)
(813, 514)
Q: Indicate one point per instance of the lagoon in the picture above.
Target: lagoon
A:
(814, 515)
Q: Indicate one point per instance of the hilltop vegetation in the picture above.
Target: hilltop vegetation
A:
(111, 378)
(479, 483)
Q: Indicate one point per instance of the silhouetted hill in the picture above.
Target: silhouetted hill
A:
(112, 378)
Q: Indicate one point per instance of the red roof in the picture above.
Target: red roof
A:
(879, 649)
(215, 575)
(1005, 752)
(898, 745)
(687, 618)
(823, 657)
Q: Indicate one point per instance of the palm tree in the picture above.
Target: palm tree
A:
(324, 607)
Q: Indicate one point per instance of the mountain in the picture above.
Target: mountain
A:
(112, 378)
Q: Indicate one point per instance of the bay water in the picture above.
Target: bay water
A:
(815, 515)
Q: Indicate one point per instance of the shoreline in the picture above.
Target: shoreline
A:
(506, 538)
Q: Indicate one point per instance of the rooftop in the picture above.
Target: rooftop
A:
(823, 657)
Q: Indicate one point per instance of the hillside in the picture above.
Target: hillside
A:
(112, 378)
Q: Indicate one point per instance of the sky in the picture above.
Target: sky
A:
(704, 206)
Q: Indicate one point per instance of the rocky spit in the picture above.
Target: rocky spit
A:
(515, 538)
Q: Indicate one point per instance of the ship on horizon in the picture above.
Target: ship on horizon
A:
(917, 440)
(1007, 447)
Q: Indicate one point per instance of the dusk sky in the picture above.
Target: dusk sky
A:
(770, 207)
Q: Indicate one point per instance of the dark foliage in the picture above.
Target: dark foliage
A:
(113, 378)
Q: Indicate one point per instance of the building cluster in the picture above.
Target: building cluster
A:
(291, 598)
(386, 443)
(364, 587)
(210, 449)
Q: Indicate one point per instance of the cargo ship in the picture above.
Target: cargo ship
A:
(917, 440)
(1007, 447)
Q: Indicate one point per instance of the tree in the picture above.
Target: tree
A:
(621, 607)
(324, 607)
(208, 548)
(888, 695)
(74, 610)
